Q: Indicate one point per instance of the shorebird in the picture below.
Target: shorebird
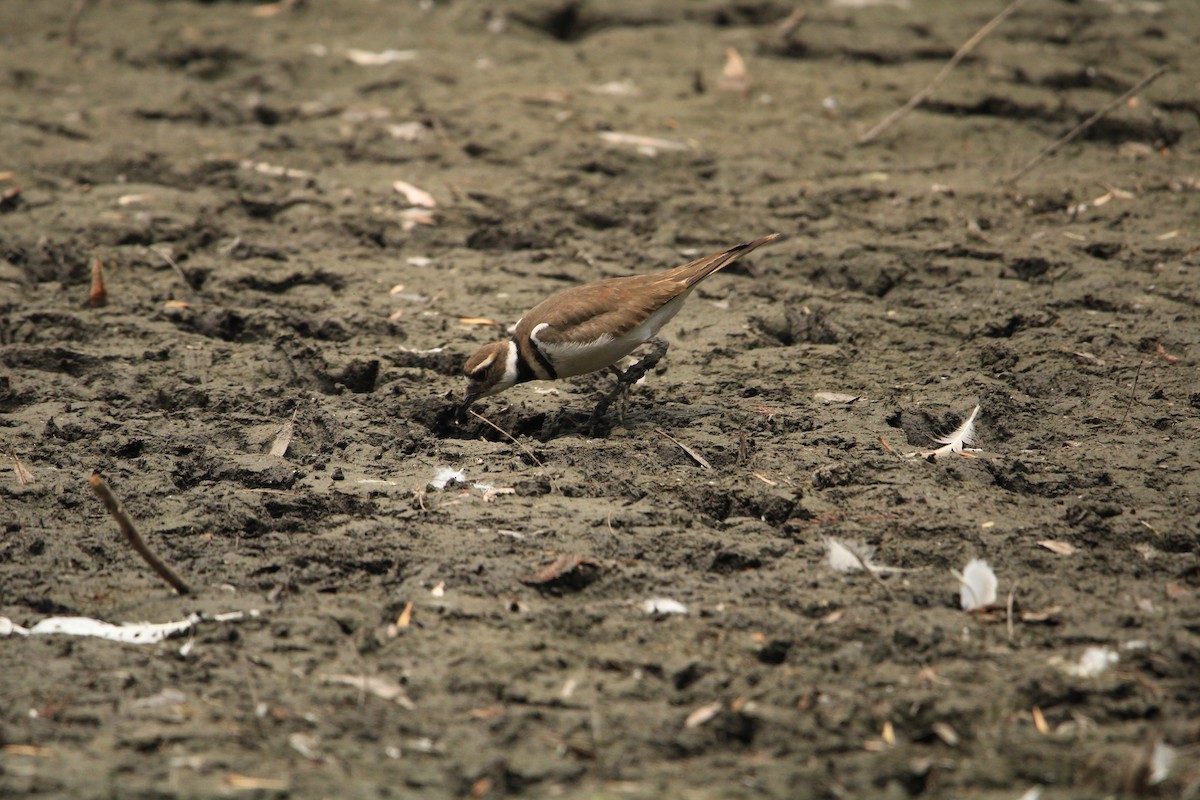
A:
(591, 327)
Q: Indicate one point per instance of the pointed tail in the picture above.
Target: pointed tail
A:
(701, 268)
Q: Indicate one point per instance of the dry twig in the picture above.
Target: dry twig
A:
(119, 514)
(515, 441)
(699, 459)
(1132, 393)
(1008, 617)
(1071, 135)
(924, 94)
(73, 21)
(174, 265)
(867, 568)
(24, 476)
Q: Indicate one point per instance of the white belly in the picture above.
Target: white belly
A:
(575, 358)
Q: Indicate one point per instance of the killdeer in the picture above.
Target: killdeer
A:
(588, 328)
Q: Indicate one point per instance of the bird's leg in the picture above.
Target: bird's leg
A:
(658, 349)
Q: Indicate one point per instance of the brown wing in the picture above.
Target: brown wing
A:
(614, 306)
(617, 305)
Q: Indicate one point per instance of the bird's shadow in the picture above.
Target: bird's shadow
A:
(445, 422)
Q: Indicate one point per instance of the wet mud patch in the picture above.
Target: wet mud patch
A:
(646, 608)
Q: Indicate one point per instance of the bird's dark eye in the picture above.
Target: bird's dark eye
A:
(477, 370)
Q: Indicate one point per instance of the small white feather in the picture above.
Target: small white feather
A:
(963, 436)
(851, 556)
(846, 557)
(961, 439)
(978, 585)
(1162, 762)
(446, 474)
(1093, 663)
(663, 605)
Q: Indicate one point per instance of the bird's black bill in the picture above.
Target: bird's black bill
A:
(460, 415)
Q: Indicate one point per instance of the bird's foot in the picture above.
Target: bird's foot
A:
(626, 379)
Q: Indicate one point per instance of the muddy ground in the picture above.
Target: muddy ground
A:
(232, 168)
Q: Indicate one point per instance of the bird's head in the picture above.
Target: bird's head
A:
(490, 371)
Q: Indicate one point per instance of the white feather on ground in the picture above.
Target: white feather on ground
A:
(1093, 663)
(977, 585)
(663, 605)
(850, 556)
(446, 475)
(962, 438)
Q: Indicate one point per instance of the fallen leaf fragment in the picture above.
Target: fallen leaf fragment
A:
(9, 198)
(1039, 721)
(275, 171)
(272, 9)
(624, 88)
(490, 494)
(31, 750)
(366, 58)
(832, 617)
(486, 712)
(306, 745)
(1161, 352)
(947, 734)
(99, 294)
(283, 439)
(133, 199)
(1055, 546)
(412, 217)
(408, 131)
(734, 77)
(1090, 358)
(836, 397)
(1047, 614)
(235, 781)
(569, 569)
(380, 687)
(1177, 591)
(414, 195)
(646, 145)
(405, 618)
(703, 714)
(477, 321)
